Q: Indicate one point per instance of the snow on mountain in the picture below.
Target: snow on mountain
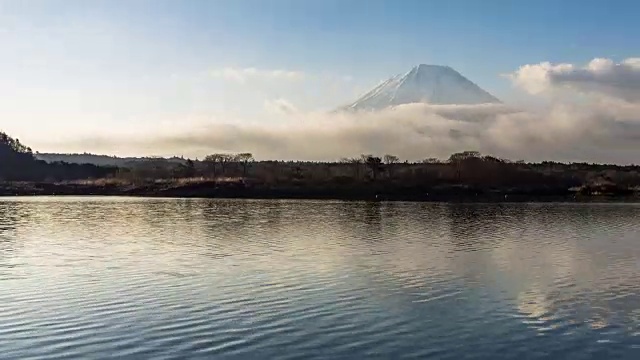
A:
(431, 84)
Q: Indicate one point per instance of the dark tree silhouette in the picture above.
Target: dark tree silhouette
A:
(18, 163)
(374, 164)
(244, 159)
(390, 161)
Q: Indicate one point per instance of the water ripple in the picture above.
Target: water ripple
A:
(230, 279)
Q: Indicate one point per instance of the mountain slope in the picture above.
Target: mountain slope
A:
(431, 84)
(102, 160)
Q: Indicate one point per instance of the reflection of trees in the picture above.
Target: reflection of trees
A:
(482, 226)
(466, 221)
(13, 215)
(360, 213)
(474, 226)
(229, 216)
(372, 214)
(247, 226)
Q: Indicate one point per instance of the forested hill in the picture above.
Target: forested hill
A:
(18, 163)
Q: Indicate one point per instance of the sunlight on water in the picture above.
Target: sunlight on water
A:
(230, 279)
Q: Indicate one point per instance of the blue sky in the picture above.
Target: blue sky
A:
(74, 66)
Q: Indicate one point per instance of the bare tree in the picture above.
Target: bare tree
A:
(461, 156)
(210, 162)
(431, 160)
(390, 161)
(356, 163)
(459, 160)
(244, 159)
(374, 164)
(224, 160)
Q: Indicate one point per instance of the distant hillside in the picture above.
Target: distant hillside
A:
(18, 163)
(102, 160)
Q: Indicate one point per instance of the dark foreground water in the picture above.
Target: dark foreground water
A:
(105, 278)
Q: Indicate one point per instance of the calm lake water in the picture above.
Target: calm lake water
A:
(98, 278)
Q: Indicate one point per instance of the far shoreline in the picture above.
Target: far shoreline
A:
(213, 190)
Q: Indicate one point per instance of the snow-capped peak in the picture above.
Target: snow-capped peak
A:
(432, 84)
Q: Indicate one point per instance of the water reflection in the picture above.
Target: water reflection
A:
(310, 279)
(11, 216)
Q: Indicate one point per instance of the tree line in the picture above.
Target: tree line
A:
(467, 168)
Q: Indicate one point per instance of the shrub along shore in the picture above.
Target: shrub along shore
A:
(245, 190)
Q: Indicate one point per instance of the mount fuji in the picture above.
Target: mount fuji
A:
(430, 84)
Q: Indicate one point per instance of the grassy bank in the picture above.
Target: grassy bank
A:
(242, 188)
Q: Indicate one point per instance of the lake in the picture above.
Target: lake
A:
(98, 278)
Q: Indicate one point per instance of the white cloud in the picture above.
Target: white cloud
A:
(601, 127)
(280, 107)
(245, 74)
(600, 77)
(601, 132)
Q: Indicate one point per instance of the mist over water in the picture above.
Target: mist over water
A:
(232, 279)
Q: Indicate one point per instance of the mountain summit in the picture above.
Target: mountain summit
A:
(430, 84)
